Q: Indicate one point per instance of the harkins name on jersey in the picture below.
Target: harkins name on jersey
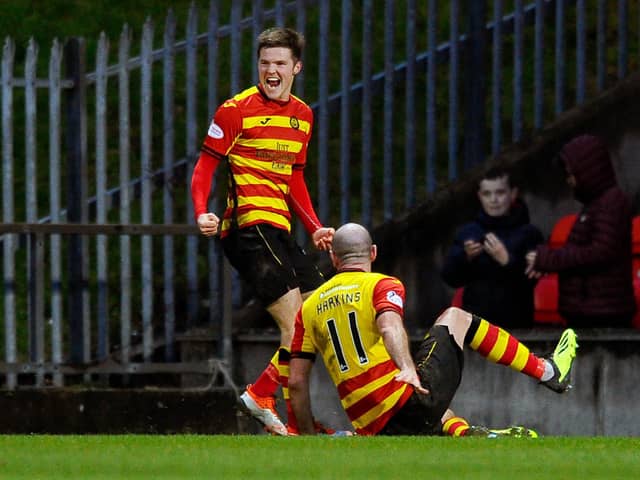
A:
(336, 300)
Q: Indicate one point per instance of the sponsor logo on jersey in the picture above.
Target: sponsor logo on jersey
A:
(265, 120)
(215, 131)
(394, 298)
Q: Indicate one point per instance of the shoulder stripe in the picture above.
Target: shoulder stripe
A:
(298, 99)
(246, 93)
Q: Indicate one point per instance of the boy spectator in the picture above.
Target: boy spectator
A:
(487, 257)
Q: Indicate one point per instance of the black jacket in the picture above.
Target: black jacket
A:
(501, 294)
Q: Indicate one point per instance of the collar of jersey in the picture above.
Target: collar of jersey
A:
(267, 99)
(350, 269)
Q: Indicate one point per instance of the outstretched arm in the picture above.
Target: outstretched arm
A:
(609, 229)
(300, 201)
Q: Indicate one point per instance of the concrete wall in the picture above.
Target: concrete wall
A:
(604, 399)
(107, 411)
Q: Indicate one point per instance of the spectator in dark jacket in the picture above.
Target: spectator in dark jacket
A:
(487, 257)
(594, 265)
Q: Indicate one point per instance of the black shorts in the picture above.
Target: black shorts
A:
(269, 259)
(439, 362)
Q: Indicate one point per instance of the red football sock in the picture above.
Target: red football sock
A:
(269, 380)
(456, 427)
(499, 346)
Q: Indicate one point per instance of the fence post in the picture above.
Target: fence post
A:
(77, 211)
(55, 114)
(168, 156)
(474, 121)
(9, 242)
(191, 123)
(102, 261)
(35, 255)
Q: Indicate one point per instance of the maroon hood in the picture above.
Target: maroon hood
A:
(588, 159)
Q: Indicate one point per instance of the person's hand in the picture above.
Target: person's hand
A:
(530, 257)
(496, 249)
(472, 249)
(529, 271)
(323, 238)
(208, 224)
(410, 376)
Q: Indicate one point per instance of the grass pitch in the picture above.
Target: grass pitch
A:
(248, 457)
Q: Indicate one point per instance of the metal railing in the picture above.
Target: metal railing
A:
(406, 95)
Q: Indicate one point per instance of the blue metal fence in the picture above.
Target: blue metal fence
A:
(406, 95)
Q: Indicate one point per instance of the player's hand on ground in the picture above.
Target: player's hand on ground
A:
(208, 224)
(411, 377)
(496, 249)
(323, 238)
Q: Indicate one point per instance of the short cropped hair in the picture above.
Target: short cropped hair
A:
(282, 37)
(352, 242)
(497, 172)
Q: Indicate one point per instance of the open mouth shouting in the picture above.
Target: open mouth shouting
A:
(277, 70)
(272, 82)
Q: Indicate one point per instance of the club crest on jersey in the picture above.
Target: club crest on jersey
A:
(215, 131)
(394, 298)
(293, 121)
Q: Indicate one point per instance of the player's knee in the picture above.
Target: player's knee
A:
(457, 322)
(450, 316)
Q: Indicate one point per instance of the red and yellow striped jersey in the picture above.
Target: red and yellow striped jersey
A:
(339, 321)
(264, 141)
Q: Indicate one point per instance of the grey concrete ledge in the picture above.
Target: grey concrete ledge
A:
(118, 411)
(532, 335)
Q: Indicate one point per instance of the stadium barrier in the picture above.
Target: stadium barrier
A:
(95, 156)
